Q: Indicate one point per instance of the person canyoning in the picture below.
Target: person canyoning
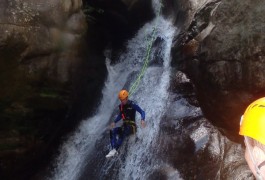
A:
(252, 127)
(127, 112)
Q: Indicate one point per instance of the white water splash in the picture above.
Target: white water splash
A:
(70, 161)
(151, 96)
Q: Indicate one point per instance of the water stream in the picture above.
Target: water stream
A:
(147, 155)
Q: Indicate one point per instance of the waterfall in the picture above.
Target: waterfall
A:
(151, 95)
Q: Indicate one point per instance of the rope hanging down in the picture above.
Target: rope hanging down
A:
(146, 61)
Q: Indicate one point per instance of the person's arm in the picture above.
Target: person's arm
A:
(138, 109)
(118, 118)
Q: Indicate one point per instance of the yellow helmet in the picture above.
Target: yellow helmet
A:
(253, 121)
(123, 94)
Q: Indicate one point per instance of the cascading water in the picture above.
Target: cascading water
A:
(175, 134)
(151, 95)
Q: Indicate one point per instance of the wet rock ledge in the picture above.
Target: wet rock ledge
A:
(222, 51)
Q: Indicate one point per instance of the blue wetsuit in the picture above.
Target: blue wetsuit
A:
(127, 114)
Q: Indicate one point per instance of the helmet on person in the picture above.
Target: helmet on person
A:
(253, 121)
(123, 94)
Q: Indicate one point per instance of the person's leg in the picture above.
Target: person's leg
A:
(121, 133)
(121, 136)
(118, 134)
(114, 139)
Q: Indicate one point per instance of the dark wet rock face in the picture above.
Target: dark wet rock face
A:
(198, 151)
(223, 54)
(43, 62)
(182, 85)
(192, 145)
(177, 11)
(118, 20)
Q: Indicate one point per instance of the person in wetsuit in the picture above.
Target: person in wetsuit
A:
(127, 113)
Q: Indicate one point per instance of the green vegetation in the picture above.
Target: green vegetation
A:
(49, 93)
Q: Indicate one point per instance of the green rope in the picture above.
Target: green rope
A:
(146, 61)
